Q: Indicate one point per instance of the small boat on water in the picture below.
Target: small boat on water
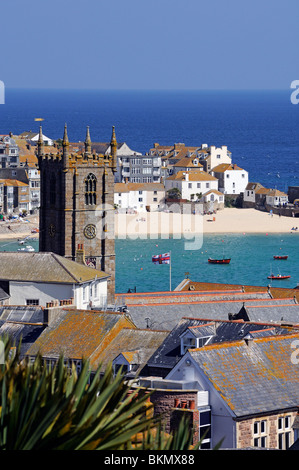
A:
(278, 276)
(27, 248)
(280, 256)
(219, 261)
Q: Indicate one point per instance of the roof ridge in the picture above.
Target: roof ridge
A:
(54, 255)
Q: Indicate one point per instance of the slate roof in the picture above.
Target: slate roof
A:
(138, 344)
(21, 314)
(275, 292)
(24, 334)
(77, 334)
(169, 352)
(255, 378)
(279, 312)
(23, 324)
(44, 267)
(165, 316)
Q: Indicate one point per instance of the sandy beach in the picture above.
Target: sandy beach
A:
(229, 220)
(14, 229)
(155, 224)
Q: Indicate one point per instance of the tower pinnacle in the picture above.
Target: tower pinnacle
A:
(65, 146)
(40, 143)
(87, 142)
(113, 147)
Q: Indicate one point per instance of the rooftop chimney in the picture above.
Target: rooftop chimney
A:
(80, 254)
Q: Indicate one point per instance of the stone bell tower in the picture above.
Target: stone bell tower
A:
(77, 204)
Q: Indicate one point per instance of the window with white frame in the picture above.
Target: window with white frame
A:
(189, 341)
(260, 433)
(284, 432)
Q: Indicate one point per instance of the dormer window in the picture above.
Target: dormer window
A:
(191, 340)
(126, 361)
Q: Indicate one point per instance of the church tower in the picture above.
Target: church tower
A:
(77, 205)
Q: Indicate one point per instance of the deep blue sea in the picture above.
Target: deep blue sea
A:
(260, 128)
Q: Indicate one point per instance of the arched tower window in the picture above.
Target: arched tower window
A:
(90, 190)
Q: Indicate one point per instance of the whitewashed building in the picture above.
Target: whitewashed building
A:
(232, 179)
(191, 184)
(139, 197)
(41, 278)
(276, 198)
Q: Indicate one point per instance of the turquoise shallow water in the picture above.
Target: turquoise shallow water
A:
(251, 261)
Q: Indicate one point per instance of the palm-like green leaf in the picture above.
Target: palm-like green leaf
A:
(54, 408)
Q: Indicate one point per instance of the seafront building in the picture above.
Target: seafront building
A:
(231, 178)
(139, 197)
(192, 185)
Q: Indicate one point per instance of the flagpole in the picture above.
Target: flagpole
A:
(170, 270)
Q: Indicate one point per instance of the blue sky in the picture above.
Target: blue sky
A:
(154, 44)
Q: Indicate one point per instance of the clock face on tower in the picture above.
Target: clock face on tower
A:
(52, 230)
(90, 231)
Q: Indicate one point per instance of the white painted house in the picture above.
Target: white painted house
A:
(276, 198)
(40, 278)
(139, 197)
(191, 183)
(232, 179)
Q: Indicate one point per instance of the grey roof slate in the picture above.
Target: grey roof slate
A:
(21, 314)
(166, 316)
(22, 334)
(253, 379)
(169, 352)
(278, 312)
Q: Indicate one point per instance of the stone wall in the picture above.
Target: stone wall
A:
(245, 430)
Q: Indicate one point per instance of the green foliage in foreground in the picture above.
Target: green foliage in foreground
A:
(44, 408)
